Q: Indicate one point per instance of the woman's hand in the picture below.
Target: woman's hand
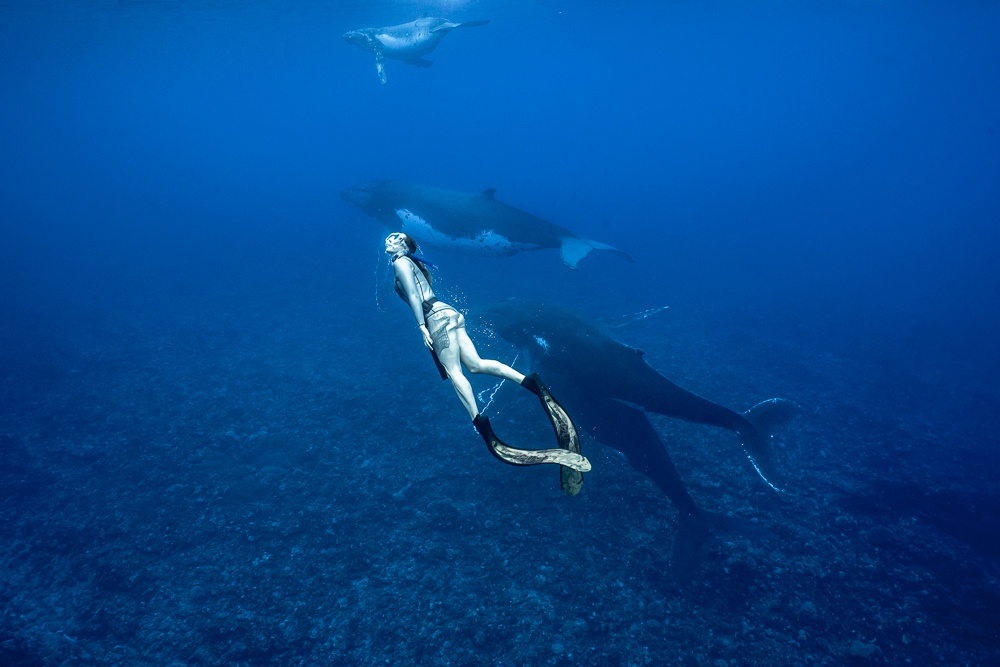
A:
(428, 341)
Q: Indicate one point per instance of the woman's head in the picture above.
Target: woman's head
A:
(399, 242)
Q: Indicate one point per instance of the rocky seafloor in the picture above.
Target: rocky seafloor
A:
(237, 484)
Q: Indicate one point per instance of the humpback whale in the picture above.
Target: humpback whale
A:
(408, 42)
(608, 387)
(473, 222)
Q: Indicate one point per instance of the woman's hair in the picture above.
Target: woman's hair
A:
(411, 245)
(411, 249)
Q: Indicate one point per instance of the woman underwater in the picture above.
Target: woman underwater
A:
(443, 330)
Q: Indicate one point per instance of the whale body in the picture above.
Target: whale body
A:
(473, 222)
(608, 388)
(408, 42)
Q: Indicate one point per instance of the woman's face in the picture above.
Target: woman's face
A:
(395, 242)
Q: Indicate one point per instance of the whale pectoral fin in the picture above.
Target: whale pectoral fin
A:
(408, 217)
(416, 226)
(380, 65)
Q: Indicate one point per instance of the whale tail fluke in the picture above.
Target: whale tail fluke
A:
(765, 418)
(472, 24)
(770, 415)
(573, 249)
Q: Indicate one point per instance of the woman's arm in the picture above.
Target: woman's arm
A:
(404, 274)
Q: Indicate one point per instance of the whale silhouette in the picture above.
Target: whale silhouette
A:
(607, 387)
(477, 222)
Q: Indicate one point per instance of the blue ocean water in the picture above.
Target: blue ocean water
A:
(221, 441)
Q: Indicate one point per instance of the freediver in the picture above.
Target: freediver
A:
(444, 334)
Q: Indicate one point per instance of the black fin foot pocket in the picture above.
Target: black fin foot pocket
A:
(533, 383)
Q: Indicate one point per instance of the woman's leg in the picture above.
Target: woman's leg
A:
(460, 350)
(450, 357)
(476, 364)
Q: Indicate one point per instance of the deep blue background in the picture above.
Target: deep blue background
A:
(818, 179)
(837, 156)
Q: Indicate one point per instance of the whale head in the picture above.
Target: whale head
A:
(507, 319)
(361, 196)
(545, 332)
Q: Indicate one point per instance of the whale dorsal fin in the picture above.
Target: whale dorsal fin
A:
(489, 192)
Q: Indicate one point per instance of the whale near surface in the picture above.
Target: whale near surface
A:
(408, 42)
(474, 222)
